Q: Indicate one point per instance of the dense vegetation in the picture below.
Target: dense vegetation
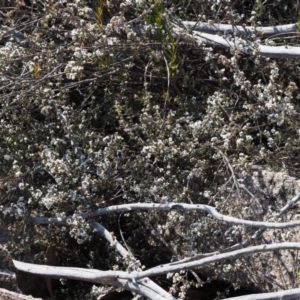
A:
(102, 104)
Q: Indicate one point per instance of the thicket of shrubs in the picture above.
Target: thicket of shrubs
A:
(100, 104)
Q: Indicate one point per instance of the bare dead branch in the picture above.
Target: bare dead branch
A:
(160, 293)
(120, 278)
(89, 275)
(187, 264)
(260, 231)
(116, 278)
(292, 294)
(113, 241)
(238, 44)
(167, 207)
(240, 30)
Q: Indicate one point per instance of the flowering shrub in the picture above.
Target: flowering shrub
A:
(101, 104)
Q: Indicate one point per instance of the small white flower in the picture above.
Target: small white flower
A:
(78, 54)
(239, 142)
(21, 186)
(18, 174)
(98, 53)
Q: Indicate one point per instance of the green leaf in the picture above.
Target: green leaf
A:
(298, 21)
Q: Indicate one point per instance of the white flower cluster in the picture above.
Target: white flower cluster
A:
(81, 230)
(73, 69)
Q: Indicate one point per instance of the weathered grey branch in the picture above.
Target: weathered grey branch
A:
(292, 294)
(167, 207)
(90, 275)
(120, 278)
(259, 231)
(238, 44)
(109, 277)
(9, 295)
(185, 265)
(114, 242)
(290, 204)
(240, 30)
(114, 278)
(159, 293)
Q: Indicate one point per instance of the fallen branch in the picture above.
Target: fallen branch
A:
(240, 30)
(292, 294)
(120, 278)
(115, 278)
(9, 295)
(146, 284)
(238, 44)
(258, 232)
(187, 264)
(111, 277)
(167, 207)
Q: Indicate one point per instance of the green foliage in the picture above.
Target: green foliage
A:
(298, 21)
(157, 15)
